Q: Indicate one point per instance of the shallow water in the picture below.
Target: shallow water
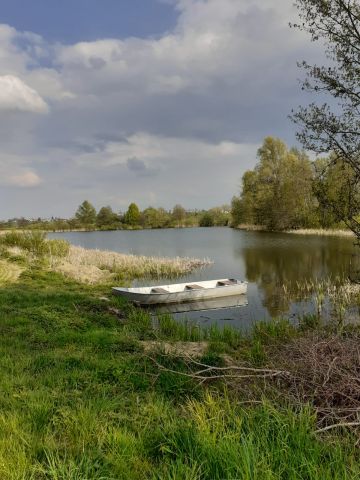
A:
(267, 261)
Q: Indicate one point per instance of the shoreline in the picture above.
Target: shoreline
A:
(301, 231)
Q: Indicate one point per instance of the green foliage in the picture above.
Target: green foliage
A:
(86, 214)
(178, 215)
(35, 242)
(334, 126)
(218, 216)
(206, 220)
(107, 218)
(132, 216)
(286, 191)
(155, 218)
(337, 191)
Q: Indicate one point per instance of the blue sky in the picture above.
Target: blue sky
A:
(70, 21)
(157, 102)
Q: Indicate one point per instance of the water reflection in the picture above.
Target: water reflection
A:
(284, 261)
(235, 301)
(267, 261)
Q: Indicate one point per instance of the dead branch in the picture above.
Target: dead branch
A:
(338, 425)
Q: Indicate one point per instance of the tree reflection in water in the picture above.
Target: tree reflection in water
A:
(290, 260)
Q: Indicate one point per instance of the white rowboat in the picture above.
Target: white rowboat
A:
(183, 292)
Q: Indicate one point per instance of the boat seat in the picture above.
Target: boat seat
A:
(224, 283)
(159, 290)
(193, 286)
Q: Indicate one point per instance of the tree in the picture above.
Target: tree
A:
(339, 198)
(178, 215)
(333, 127)
(106, 217)
(132, 216)
(278, 192)
(207, 220)
(86, 214)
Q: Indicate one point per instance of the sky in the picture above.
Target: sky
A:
(154, 101)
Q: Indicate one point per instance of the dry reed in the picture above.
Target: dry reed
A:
(9, 272)
(322, 232)
(96, 266)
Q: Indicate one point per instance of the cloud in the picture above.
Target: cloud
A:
(140, 168)
(181, 114)
(24, 180)
(15, 95)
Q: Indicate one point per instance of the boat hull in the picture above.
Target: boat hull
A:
(195, 295)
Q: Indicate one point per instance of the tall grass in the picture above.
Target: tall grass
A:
(93, 266)
(9, 272)
(34, 242)
(222, 441)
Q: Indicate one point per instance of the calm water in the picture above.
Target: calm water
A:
(267, 261)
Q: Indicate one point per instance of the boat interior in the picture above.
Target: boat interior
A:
(184, 287)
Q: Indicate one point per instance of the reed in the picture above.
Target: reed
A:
(9, 272)
(331, 232)
(96, 266)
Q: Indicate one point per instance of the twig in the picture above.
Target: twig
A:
(329, 370)
(338, 425)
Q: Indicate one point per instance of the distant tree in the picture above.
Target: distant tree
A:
(132, 216)
(154, 217)
(334, 127)
(106, 217)
(207, 220)
(178, 215)
(86, 214)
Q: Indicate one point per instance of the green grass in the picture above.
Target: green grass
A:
(80, 399)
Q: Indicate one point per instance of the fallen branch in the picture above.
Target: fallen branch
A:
(338, 425)
(221, 372)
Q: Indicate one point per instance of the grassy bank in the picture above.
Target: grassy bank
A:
(92, 389)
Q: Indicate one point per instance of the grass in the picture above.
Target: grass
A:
(93, 266)
(9, 272)
(81, 399)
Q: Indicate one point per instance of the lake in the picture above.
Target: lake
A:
(268, 261)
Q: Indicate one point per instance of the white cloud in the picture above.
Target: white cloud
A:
(15, 95)
(24, 180)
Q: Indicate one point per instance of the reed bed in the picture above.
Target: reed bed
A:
(96, 266)
(323, 232)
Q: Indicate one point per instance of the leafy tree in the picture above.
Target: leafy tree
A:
(132, 216)
(278, 193)
(86, 214)
(178, 215)
(334, 127)
(106, 217)
(336, 191)
(154, 217)
(207, 220)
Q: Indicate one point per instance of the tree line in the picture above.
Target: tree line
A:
(286, 190)
(88, 218)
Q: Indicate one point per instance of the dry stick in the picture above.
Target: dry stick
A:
(261, 373)
(338, 425)
(327, 377)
